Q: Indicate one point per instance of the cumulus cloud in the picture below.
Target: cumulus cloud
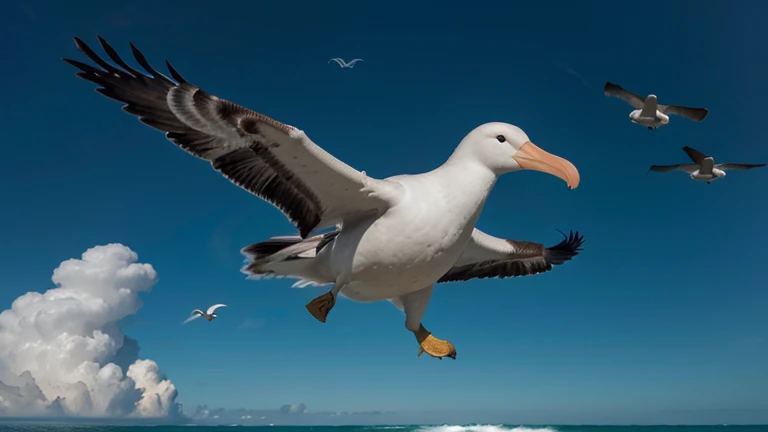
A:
(63, 353)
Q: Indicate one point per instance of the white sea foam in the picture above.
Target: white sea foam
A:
(484, 428)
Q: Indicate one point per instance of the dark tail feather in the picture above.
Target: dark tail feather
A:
(269, 247)
(266, 248)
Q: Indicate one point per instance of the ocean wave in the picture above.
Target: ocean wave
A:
(388, 427)
(484, 428)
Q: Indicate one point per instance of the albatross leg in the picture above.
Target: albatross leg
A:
(320, 306)
(414, 305)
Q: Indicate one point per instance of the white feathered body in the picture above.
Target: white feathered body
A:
(708, 177)
(653, 121)
(411, 245)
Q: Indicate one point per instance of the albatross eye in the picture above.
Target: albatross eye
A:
(501, 138)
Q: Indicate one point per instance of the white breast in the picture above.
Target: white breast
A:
(413, 244)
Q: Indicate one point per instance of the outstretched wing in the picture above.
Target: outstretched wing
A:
(274, 161)
(695, 114)
(735, 166)
(352, 63)
(339, 61)
(213, 308)
(614, 90)
(695, 155)
(689, 168)
(487, 256)
(197, 313)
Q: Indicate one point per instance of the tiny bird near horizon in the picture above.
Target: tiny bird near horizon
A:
(648, 111)
(703, 167)
(210, 314)
(343, 64)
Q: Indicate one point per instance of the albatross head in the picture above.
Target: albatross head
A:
(504, 148)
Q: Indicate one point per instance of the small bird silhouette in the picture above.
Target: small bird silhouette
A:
(343, 64)
(210, 314)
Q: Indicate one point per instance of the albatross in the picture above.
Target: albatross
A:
(388, 239)
(703, 167)
(648, 111)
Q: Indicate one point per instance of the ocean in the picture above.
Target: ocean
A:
(66, 427)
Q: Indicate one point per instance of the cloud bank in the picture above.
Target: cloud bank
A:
(62, 352)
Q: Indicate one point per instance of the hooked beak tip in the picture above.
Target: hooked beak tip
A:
(531, 157)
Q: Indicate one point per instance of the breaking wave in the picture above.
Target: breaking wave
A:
(484, 428)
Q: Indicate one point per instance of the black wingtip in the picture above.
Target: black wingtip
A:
(81, 45)
(175, 74)
(568, 248)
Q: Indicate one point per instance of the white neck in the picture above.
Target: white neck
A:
(468, 183)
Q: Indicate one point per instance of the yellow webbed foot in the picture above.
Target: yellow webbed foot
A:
(434, 346)
(320, 306)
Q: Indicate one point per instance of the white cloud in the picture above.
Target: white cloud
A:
(62, 352)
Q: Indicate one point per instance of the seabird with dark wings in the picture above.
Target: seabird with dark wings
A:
(389, 239)
(648, 111)
(703, 167)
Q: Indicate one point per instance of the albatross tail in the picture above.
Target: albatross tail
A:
(288, 256)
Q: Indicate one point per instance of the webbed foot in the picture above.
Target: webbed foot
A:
(320, 306)
(434, 346)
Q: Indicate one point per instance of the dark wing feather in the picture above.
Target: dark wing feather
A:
(490, 257)
(272, 160)
(695, 114)
(662, 168)
(736, 166)
(695, 155)
(666, 168)
(614, 90)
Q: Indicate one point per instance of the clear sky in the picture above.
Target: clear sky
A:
(664, 309)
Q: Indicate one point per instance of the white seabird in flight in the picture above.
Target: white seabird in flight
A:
(648, 112)
(703, 167)
(392, 238)
(343, 64)
(210, 314)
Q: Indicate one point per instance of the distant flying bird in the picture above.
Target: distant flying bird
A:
(343, 64)
(390, 239)
(703, 168)
(648, 112)
(210, 314)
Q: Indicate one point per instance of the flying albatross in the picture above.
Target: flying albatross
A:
(703, 167)
(389, 239)
(648, 111)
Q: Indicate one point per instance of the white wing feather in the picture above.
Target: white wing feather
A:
(213, 308)
(197, 313)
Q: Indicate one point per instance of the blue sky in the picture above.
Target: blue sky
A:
(665, 308)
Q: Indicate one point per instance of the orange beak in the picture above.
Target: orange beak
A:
(530, 157)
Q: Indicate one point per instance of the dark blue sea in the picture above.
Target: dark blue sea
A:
(62, 427)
